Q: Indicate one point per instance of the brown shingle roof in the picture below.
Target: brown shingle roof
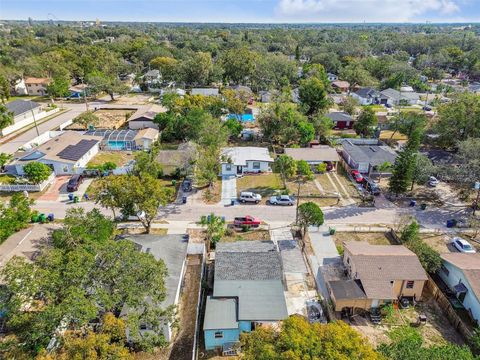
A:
(34, 80)
(378, 265)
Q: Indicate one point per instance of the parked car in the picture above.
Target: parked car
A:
(329, 165)
(247, 196)
(187, 185)
(281, 200)
(74, 182)
(433, 181)
(246, 221)
(427, 108)
(462, 245)
(357, 176)
(371, 186)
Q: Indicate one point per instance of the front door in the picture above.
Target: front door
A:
(239, 169)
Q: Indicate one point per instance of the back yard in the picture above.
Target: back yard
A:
(109, 119)
(119, 158)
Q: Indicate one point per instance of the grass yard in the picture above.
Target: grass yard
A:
(233, 235)
(120, 158)
(263, 184)
(7, 179)
(387, 134)
(306, 189)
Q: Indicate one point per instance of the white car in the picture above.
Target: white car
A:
(281, 200)
(247, 196)
(462, 245)
(433, 181)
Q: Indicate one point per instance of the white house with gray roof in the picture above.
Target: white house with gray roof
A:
(172, 250)
(205, 91)
(248, 291)
(365, 155)
(23, 112)
(394, 97)
(245, 159)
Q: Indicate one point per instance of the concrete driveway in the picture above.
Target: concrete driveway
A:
(229, 189)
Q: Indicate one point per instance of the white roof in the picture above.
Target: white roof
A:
(240, 155)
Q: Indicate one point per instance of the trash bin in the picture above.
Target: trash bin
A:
(332, 230)
(413, 203)
(51, 217)
(42, 218)
(34, 218)
(184, 199)
(423, 206)
(70, 197)
(451, 223)
(174, 182)
(232, 202)
(75, 199)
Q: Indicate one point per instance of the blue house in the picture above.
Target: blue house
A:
(461, 273)
(248, 292)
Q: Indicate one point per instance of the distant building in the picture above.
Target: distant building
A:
(205, 91)
(342, 86)
(341, 120)
(37, 86)
(143, 117)
(366, 95)
(395, 97)
(23, 112)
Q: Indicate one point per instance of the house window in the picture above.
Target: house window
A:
(65, 169)
(256, 165)
(218, 335)
(228, 167)
(445, 270)
(410, 284)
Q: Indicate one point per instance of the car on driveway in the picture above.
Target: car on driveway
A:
(357, 176)
(462, 245)
(281, 200)
(74, 182)
(246, 221)
(247, 196)
(371, 186)
(433, 181)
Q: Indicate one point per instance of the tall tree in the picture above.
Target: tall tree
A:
(286, 166)
(6, 117)
(4, 89)
(366, 122)
(313, 96)
(58, 87)
(309, 214)
(239, 64)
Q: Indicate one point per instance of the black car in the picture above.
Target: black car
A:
(371, 186)
(74, 182)
(187, 185)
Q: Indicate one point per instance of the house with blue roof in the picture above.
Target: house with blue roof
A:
(248, 292)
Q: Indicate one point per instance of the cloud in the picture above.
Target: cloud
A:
(365, 10)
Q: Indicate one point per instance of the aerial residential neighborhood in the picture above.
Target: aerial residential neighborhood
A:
(257, 180)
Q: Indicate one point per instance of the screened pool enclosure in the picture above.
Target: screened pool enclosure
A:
(116, 139)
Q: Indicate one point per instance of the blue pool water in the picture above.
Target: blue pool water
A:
(242, 118)
(117, 145)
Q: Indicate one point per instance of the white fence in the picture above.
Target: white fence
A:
(28, 187)
(41, 139)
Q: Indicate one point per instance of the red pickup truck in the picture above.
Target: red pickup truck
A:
(246, 220)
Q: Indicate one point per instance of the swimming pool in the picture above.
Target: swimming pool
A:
(242, 117)
(118, 145)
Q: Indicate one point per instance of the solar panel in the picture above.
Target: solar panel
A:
(75, 152)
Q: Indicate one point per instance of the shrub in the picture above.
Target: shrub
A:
(36, 172)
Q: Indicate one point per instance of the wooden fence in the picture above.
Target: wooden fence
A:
(448, 309)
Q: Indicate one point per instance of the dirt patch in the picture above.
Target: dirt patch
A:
(245, 236)
(373, 238)
(437, 331)
(437, 241)
(108, 119)
(119, 158)
(132, 99)
(212, 194)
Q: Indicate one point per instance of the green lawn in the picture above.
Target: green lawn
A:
(27, 97)
(264, 184)
(7, 179)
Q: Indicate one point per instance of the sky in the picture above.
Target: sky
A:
(238, 11)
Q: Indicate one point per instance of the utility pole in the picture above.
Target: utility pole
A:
(475, 204)
(33, 115)
(84, 93)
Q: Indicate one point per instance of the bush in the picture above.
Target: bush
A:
(36, 172)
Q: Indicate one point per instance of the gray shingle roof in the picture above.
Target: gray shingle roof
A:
(397, 95)
(246, 246)
(366, 92)
(220, 314)
(339, 116)
(248, 266)
(317, 153)
(373, 154)
(19, 107)
(172, 249)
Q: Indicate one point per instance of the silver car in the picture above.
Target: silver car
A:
(247, 196)
(281, 200)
